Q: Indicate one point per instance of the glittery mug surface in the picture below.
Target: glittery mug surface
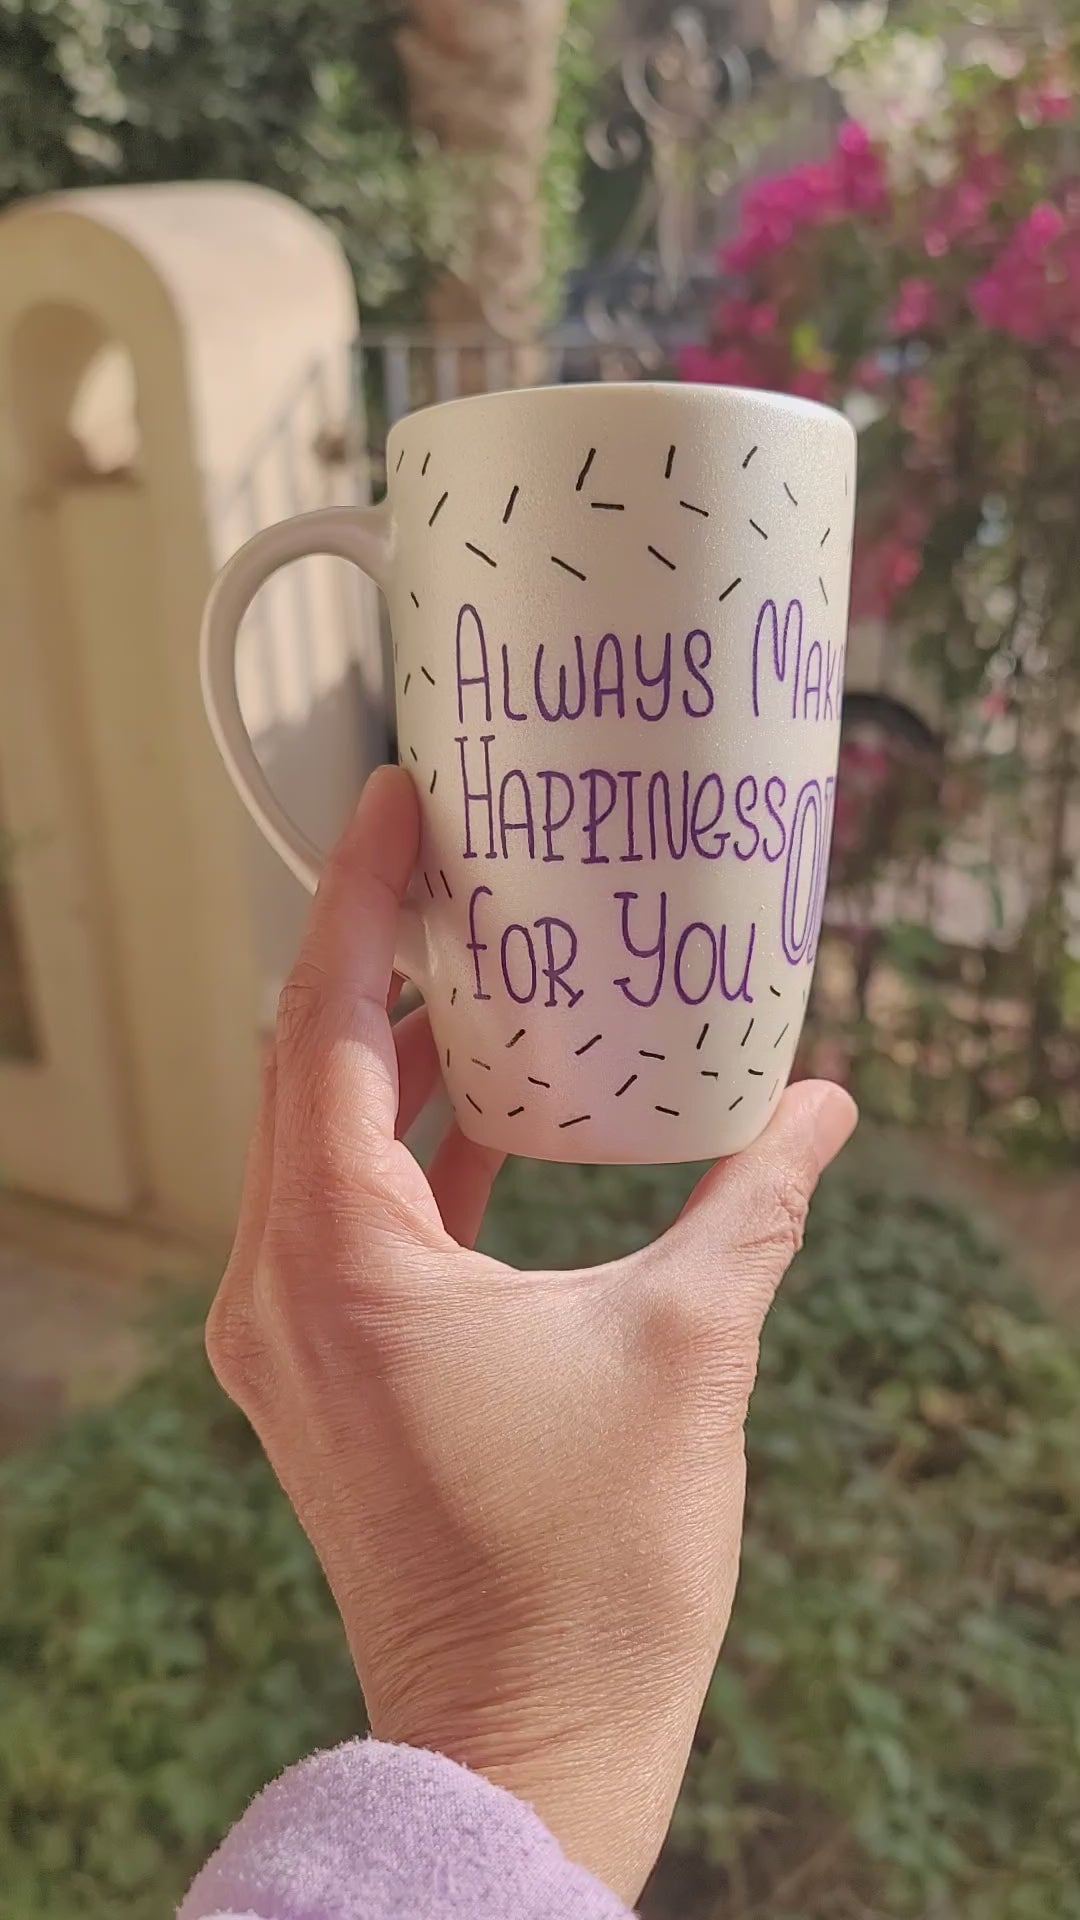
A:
(619, 618)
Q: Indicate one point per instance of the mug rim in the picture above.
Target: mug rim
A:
(789, 403)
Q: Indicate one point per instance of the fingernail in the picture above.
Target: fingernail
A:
(382, 778)
(833, 1119)
(380, 797)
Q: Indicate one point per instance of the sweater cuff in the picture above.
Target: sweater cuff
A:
(373, 1832)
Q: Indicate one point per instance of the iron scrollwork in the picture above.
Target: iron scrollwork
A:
(673, 83)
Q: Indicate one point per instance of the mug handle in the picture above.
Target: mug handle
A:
(359, 534)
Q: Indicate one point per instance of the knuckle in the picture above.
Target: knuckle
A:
(230, 1340)
(791, 1204)
(336, 1097)
(327, 1169)
(299, 1003)
(775, 1220)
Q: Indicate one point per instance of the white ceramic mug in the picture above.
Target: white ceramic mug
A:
(619, 618)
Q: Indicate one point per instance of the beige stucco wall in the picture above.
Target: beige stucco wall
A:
(168, 357)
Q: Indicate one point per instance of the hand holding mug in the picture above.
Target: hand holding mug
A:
(619, 618)
(526, 1490)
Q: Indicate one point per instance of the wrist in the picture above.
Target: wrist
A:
(607, 1797)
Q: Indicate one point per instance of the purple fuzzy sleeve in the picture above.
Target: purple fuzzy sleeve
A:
(370, 1832)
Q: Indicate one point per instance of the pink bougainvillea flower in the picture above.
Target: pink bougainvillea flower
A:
(808, 383)
(967, 209)
(720, 366)
(738, 319)
(696, 362)
(1032, 289)
(776, 210)
(919, 415)
(890, 561)
(915, 306)
(860, 175)
(1044, 223)
(1049, 104)
(870, 374)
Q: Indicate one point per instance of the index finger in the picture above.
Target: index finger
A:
(336, 1067)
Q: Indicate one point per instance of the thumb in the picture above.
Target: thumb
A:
(744, 1221)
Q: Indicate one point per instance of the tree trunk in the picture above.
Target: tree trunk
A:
(482, 81)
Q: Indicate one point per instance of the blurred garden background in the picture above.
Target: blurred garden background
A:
(878, 208)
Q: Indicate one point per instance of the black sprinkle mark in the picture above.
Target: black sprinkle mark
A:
(825, 535)
(538, 1083)
(776, 993)
(821, 584)
(434, 777)
(395, 649)
(429, 886)
(657, 555)
(646, 1055)
(749, 457)
(608, 506)
(567, 568)
(481, 1063)
(756, 1073)
(519, 1035)
(747, 1034)
(701, 1038)
(709, 1073)
(790, 495)
(512, 1112)
(427, 463)
(576, 1121)
(414, 754)
(758, 529)
(453, 996)
(773, 1088)
(781, 1034)
(438, 507)
(474, 1103)
(670, 463)
(480, 554)
(415, 601)
(400, 458)
(429, 677)
(583, 475)
(619, 1091)
(737, 582)
(690, 508)
(448, 1059)
(578, 1051)
(736, 1103)
(507, 511)
(674, 1111)
(446, 884)
(405, 688)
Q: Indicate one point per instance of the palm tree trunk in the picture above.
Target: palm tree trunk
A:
(482, 81)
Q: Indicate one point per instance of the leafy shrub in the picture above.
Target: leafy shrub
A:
(166, 1643)
(906, 1646)
(925, 276)
(899, 1700)
(305, 96)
